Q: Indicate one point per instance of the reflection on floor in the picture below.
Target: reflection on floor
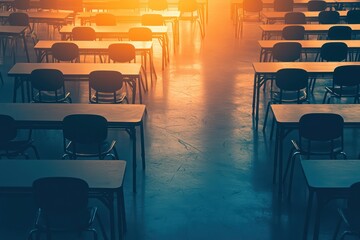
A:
(209, 173)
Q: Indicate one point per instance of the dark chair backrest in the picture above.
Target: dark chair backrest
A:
(152, 20)
(8, 129)
(140, 34)
(85, 128)
(47, 79)
(121, 52)
(293, 33)
(105, 19)
(128, 4)
(339, 33)
(253, 5)
(46, 4)
(321, 126)
(329, 17)
(22, 4)
(158, 4)
(286, 51)
(316, 5)
(65, 51)
(83, 34)
(346, 76)
(283, 5)
(353, 200)
(62, 196)
(18, 19)
(295, 18)
(353, 16)
(291, 79)
(334, 51)
(187, 5)
(106, 81)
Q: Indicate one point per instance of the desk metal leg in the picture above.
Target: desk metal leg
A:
(254, 93)
(276, 153)
(26, 49)
(121, 213)
(320, 204)
(308, 213)
(112, 216)
(258, 85)
(280, 158)
(142, 144)
(133, 136)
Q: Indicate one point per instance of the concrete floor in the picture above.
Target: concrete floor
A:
(209, 173)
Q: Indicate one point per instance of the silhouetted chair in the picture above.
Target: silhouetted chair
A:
(316, 5)
(353, 17)
(283, 5)
(295, 18)
(350, 215)
(339, 33)
(65, 52)
(320, 134)
(22, 19)
(62, 207)
(346, 82)
(152, 19)
(293, 33)
(189, 11)
(286, 51)
(83, 34)
(251, 11)
(47, 86)
(106, 87)
(105, 19)
(329, 17)
(292, 87)
(10, 147)
(85, 136)
(158, 4)
(22, 4)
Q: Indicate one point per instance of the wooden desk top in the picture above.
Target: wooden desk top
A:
(94, 45)
(99, 174)
(331, 174)
(76, 69)
(308, 27)
(122, 28)
(12, 30)
(308, 44)
(128, 14)
(311, 67)
(42, 115)
(291, 113)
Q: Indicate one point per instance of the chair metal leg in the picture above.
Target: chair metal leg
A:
(292, 173)
(266, 115)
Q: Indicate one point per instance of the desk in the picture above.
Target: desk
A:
(16, 32)
(50, 116)
(122, 30)
(287, 118)
(75, 71)
(43, 49)
(264, 70)
(328, 179)
(105, 179)
(270, 30)
(266, 46)
(310, 16)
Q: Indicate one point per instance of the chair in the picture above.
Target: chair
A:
(22, 4)
(316, 5)
(10, 147)
(293, 33)
(46, 4)
(346, 82)
(158, 5)
(85, 136)
(22, 19)
(47, 86)
(339, 33)
(292, 87)
(251, 11)
(283, 5)
(350, 215)
(152, 19)
(353, 17)
(295, 18)
(65, 52)
(320, 134)
(286, 51)
(329, 17)
(107, 87)
(83, 34)
(62, 207)
(189, 11)
(105, 19)
(140, 34)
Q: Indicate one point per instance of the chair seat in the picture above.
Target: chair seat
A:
(49, 97)
(108, 98)
(289, 97)
(322, 148)
(90, 150)
(344, 92)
